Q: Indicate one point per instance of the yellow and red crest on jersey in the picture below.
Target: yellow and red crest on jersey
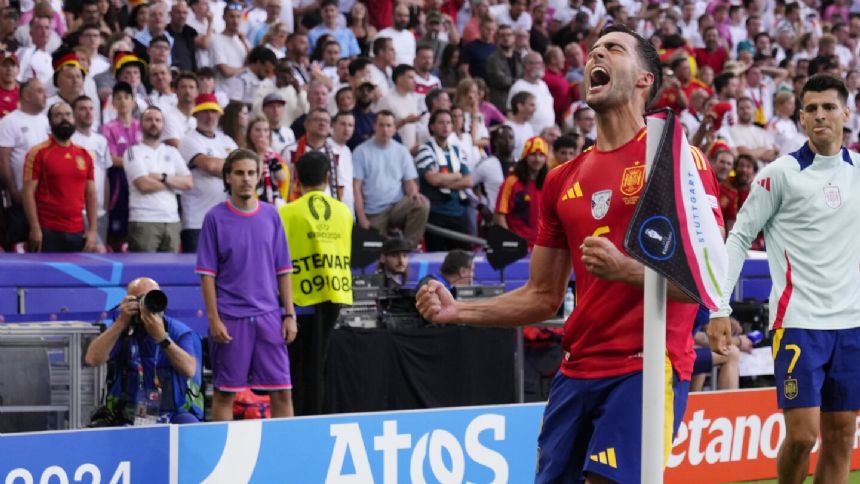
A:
(633, 179)
(81, 162)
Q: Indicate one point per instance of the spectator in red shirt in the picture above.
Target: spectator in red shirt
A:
(554, 78)
(8, 83)
(58, 183)
(713, 54)
(518, 205)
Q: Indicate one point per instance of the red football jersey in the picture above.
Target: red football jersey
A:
(596, 195)
(62, 173)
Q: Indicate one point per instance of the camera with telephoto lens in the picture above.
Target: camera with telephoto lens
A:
(154, 301)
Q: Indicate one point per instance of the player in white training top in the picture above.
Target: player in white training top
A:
(808, 203)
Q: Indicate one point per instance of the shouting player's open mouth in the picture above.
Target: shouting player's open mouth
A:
(598, 79)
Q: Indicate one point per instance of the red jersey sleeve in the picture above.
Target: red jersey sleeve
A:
(709, 181)
(91, 175)
(33, 164)
(503, 203)
(550, 230)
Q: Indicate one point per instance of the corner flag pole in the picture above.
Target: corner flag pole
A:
(653, 351)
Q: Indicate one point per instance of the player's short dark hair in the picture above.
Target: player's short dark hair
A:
(564, 141)
(455, 260)
(648, 56)
(312, 167)
(520, 98)
(401, 70)
(233, 157)
(825, 82)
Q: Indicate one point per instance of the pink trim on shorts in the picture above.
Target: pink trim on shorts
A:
(271, 387)
(231, 389)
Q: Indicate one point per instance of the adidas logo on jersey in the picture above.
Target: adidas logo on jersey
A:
(573, 192)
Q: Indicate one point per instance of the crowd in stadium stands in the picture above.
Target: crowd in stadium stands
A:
(447, 111)
(442, 111)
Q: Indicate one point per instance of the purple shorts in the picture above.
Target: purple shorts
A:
(256, 357)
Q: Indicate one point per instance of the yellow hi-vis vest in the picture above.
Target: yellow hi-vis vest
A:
(319, 233)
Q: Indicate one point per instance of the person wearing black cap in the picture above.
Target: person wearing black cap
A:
(394, 262)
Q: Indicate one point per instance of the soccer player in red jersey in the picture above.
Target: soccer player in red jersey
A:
(592, 423)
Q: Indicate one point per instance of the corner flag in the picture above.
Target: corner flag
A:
(673, 229)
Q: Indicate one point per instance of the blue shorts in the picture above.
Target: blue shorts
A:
(594, 426)
(817, 368)
(704, 361)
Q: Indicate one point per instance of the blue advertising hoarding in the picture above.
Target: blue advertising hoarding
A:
(474, 444)
(122, 456)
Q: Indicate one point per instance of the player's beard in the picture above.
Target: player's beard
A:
(622, 85)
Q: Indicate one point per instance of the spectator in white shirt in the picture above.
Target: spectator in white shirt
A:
(258, 73)
(403, 102)
(161, 80)
(35, 60)
(522, 111)
(227, 52)
(514, 15)
(283, 137)
(343, 125)
(155, 172)
(750, 139)
(782, 127)
(533, 82)
(20, 130)
(204, 150)
(403, 38)
(84, 112)
(425, 81)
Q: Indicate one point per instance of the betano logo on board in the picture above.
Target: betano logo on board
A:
(732, 436)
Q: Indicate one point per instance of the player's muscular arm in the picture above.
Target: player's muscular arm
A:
(537, 300)
(604, 260)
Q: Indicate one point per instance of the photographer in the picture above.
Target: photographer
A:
(168, 352)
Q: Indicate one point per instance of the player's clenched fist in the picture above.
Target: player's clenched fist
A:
(601, 258)
(435, 303)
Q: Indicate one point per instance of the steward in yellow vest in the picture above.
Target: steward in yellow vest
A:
(319, 234)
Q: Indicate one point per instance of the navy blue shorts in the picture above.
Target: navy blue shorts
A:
(817, 368)
(704, 361)
(594, 426)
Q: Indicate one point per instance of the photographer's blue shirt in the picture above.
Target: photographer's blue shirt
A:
(178, 394)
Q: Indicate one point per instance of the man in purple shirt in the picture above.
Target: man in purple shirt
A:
(244, 263)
